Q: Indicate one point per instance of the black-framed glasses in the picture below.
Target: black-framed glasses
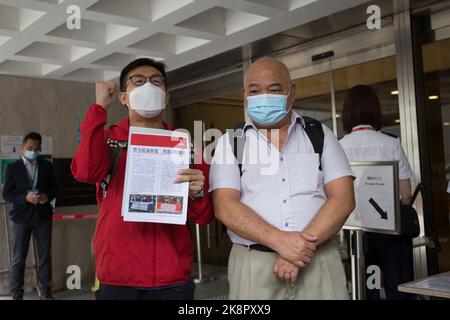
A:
(139, 80)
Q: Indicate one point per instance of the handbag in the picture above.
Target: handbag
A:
(410, 227)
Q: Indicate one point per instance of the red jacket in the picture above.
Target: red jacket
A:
(130, 253)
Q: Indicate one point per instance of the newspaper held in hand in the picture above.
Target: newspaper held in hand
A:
(153, 159)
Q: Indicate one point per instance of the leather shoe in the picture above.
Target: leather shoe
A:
(47, 296)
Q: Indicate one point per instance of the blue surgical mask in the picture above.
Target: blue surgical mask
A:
(31, 155)
(267, 109)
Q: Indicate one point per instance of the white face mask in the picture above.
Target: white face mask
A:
(147, 100)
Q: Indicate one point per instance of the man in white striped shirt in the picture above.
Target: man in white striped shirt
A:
(287, 205)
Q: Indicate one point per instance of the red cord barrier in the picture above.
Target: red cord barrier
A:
(77, 216)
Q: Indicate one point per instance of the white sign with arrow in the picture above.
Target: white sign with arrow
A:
(377, 197)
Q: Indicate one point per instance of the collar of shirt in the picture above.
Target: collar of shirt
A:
(27, 162)
(363, 127)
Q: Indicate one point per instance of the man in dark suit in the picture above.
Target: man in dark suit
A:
(30, 186)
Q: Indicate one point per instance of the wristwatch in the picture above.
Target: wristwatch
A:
(199, 195)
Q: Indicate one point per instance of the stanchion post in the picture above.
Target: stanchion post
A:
(7, 238)
(200, 278)
(358, 265)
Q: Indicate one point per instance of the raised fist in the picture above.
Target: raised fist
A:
(105, 93)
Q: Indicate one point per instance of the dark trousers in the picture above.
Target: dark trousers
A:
(394, 256)
(22, 234)
(183, 292)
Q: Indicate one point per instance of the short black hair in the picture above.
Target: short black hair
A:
(161, 67)
(361, 106)
(32, 136)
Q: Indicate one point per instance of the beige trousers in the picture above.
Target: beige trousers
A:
(250, 275)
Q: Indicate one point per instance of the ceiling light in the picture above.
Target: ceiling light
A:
(433, 97)
(446, 124)
(394, 93)
(397, 120)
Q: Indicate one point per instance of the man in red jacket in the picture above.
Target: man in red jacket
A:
(138, 261)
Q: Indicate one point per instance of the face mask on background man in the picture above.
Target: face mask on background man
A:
(267, 109)
(147, 100)
(31, 155)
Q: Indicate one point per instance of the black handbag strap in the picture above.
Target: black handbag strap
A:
(419, 188)
(427, 216)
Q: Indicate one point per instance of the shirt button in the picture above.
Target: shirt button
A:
(285, 201)
(286, 224)
(284, 180)
(282, 159)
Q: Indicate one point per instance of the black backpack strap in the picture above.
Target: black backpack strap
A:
(314, 130)
(115, 150)
(236, 138)
(192, 156)
(114, 156)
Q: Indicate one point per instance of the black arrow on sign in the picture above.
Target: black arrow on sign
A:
(382, 213)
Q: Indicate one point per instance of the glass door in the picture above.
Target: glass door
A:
(315, 100)
(436, 110)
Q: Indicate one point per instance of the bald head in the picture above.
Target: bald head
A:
(267, 68)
